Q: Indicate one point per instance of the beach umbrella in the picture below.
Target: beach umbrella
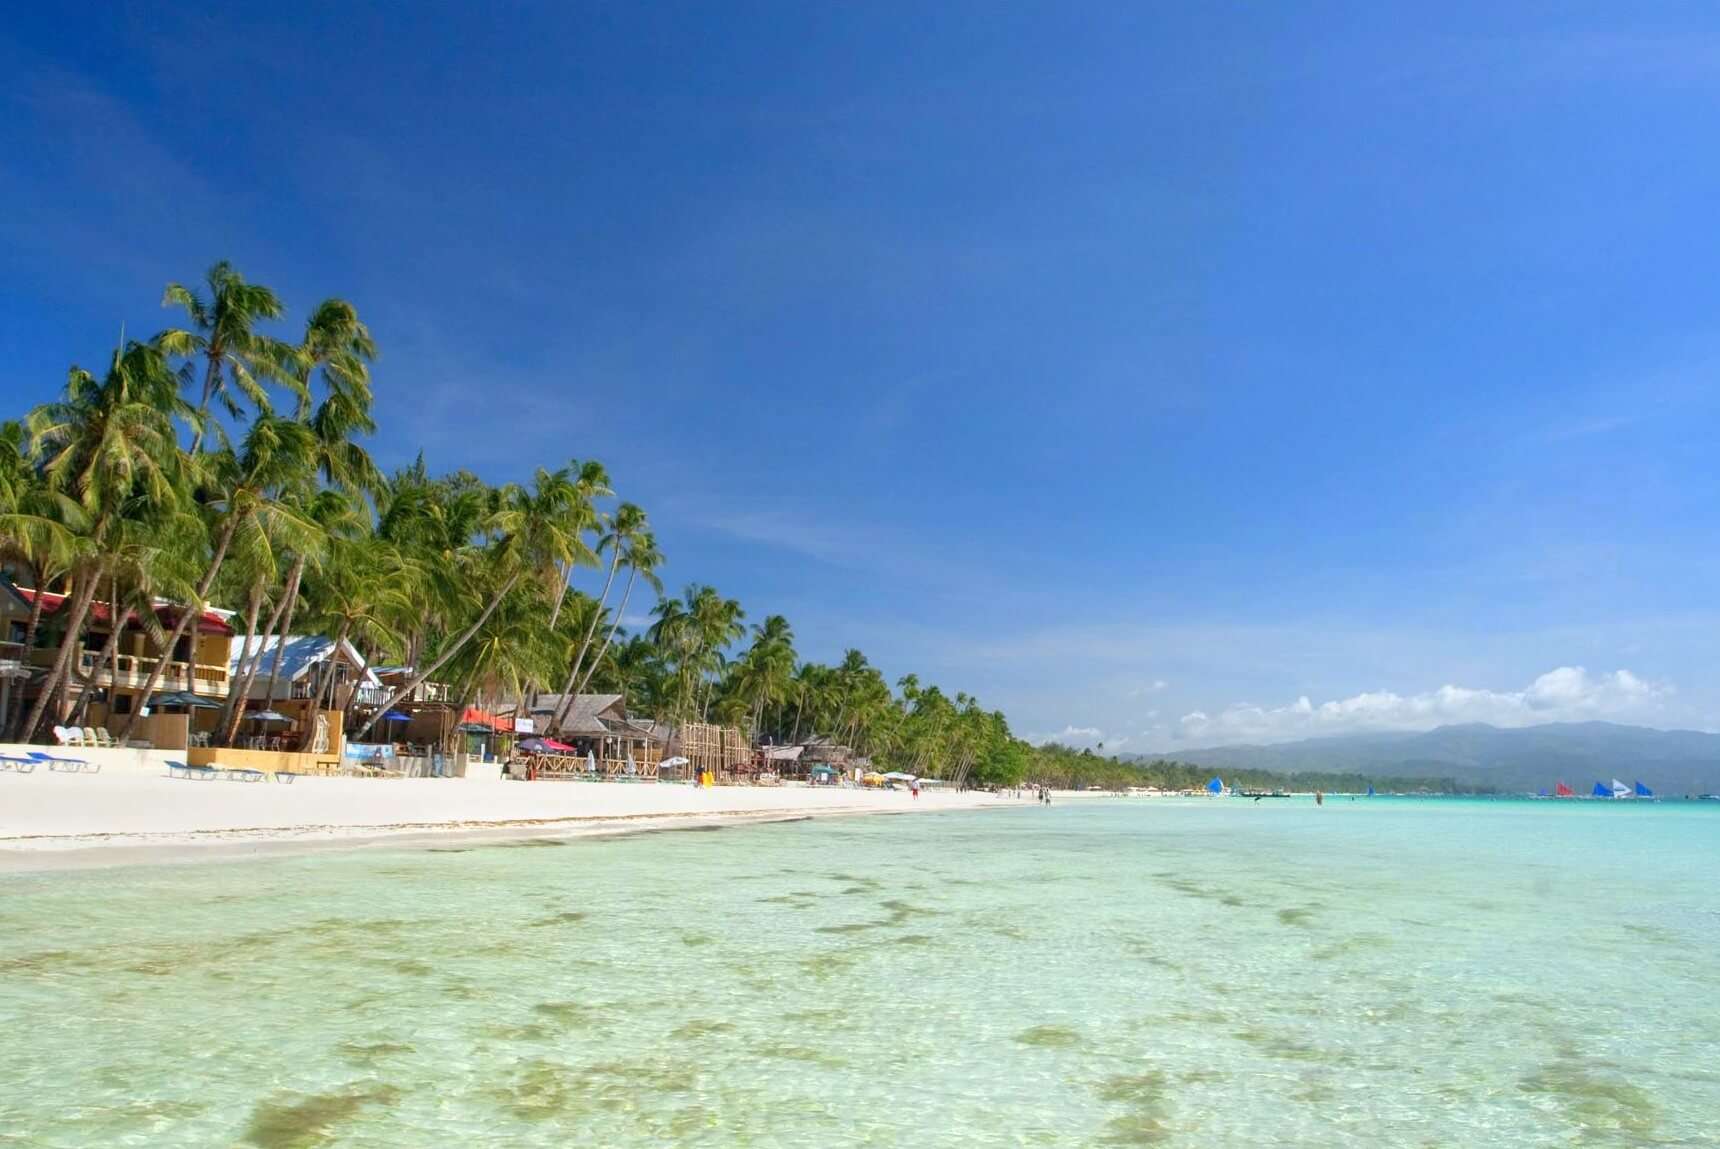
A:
(475, 728)
(269, 716)
(591, 762)
(898, 776)
(396, 716)
(671, 763)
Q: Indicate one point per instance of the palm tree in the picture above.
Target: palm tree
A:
(642, 560)
(247, 491)
(224, 335)
(763, 674)
(109, 451)
(626, 524)
(529, 538)
(338, 344)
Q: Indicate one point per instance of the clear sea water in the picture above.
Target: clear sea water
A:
(1218, 973)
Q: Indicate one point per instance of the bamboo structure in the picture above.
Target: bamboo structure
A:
(722, 750)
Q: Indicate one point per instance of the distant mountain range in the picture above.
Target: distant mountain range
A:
(1531, 758)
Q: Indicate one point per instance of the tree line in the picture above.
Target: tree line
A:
(1069, 768)
(223, 461)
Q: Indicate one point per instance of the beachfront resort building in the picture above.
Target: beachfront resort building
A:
(114, 668)
(309, 663)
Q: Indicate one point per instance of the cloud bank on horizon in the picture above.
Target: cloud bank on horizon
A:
(1564, 694)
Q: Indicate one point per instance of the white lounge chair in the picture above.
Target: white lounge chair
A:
(68, 735)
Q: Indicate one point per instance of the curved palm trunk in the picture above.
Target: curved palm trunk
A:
(109, 653)
(80, 605)
(241, 691)
(292, 602)
(441, 659)
(186, 615)
(569, 689)
(249, 654)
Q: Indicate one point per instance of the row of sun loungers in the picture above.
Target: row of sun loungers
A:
(176, 769)
(33, 758)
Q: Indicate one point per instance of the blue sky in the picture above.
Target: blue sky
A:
(1164, 374)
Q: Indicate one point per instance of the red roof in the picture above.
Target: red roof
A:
(211, 622)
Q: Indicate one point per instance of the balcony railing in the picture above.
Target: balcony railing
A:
(306, 686)
(134, 671)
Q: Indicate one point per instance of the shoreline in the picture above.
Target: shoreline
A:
(50, 822)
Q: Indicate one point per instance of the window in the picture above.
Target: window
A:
(122, 703)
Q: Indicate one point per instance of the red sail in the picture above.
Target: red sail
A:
(1564, 791)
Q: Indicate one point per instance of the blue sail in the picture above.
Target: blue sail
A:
(1370, 789)
(1601, 790)
(1643, 791)
(1216, 786)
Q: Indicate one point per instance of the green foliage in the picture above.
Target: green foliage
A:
(1065, 768)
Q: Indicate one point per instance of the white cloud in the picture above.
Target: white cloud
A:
(1152, 687)
(1567, 694)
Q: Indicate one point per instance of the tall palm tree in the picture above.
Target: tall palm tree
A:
(223, 334)
(642, 560)
(247, 491)
(338, 344)
(625, 525)
(110, 452)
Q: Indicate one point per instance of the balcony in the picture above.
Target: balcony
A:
(366, 695)
(134, 672)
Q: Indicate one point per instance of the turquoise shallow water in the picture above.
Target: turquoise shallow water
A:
(1217, 973)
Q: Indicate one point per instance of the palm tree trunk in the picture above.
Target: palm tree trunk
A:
(602, 601)
(210, 374)
(109, 653)
(449, 652)
(316, 706)
(292, 602)
(240, 692)
(16, 703)
(250, 653)
(82, 594)
(573, 691)
(186, 615)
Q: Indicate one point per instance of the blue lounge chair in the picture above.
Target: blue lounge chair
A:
(204, 772)
(69, 765)
(242, 774)
(287, 776)
(21, 765)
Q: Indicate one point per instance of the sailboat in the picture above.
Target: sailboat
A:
(1620, 790)
(1643, 791)
(1370, 789)
(1600, 791)
(1563, 791)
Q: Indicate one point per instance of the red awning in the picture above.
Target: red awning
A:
(485, 718)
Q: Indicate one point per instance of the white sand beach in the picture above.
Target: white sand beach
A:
(53, 820)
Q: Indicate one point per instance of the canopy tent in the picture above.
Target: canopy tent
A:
(829, 771)
(187, 699)
(899, 776)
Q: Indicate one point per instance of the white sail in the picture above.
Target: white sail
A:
(1620, 790)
